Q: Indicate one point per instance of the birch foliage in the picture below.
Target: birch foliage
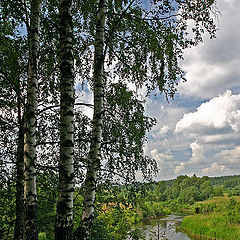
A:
(141, 45)
(12, 100)
(144, 40)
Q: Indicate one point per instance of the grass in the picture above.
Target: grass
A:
(213, 221)
(213, 226)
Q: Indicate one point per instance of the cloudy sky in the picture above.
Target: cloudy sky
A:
(199, 132)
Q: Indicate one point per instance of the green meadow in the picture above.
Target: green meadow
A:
(215, 218)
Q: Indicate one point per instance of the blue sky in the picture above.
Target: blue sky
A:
(199, 132)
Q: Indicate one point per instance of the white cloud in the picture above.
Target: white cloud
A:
(85, 96)
(164, 130)
(234, 120)
(220, 113)
(214, 168)
(197, 153)
(180, 168)
(192, 164)
(229, 155)
(213, 66)
(165, 162)
(162, 156)
(165, 142)
(213, 127)
(205, 141)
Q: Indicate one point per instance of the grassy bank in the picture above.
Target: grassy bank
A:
(217, 218)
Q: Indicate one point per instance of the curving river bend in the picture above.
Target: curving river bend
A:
(165, 229)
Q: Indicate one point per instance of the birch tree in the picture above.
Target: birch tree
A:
(64, 219)
(14, 54)
(30, 194)
(94, 153)
(143, 45)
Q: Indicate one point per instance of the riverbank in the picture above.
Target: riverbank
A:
(190, 234)
(217, 218)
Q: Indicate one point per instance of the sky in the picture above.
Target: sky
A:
(199, 132)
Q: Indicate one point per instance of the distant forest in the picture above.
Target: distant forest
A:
(214, 180)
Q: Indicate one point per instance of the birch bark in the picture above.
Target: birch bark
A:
(19, 224)
(94, 154)
(30, 194)
(64, 218)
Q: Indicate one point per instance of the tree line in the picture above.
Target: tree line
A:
(52, 52)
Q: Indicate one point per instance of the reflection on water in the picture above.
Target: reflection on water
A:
(165, 229)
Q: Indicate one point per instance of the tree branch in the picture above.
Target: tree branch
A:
(57, 106)
(111, 31)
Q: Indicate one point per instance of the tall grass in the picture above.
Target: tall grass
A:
(213, 226)
(218, 218)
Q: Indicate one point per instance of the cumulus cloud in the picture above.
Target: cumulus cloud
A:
(229, 155)
(209, 136)
(219, 115)
(162, 156)
(166, 162)
(164, 130)
(213, 66)
(84, 96)
(161, 136)
(197, 153)
(213, 135)
(193, 163)
(214, 168)
(180, 168)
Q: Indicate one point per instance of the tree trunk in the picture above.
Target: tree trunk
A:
(94, 154)
(64, 218)
(30, 193)
(19, 223)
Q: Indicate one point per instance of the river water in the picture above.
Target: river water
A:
(165, 229)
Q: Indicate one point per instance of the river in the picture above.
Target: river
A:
(165, 229)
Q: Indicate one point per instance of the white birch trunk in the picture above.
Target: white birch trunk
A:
(64, 218)
(94, 154)
(30, 194)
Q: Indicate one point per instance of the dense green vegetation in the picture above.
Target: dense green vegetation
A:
(122, 208)
(218, 218)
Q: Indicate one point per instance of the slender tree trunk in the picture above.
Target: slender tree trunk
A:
(19, 224)
(94, 154)
(64, 218)
(30, 193)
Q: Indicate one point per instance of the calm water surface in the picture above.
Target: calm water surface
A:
(165, 229)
